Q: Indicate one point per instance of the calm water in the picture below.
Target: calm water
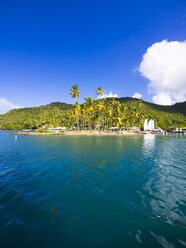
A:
(92, 191)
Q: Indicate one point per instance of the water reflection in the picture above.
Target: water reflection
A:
(148, 142)
(166, 181)
(162, 241)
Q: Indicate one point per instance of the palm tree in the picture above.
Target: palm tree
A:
(100, 92)
(74, 91)
(100, 108)
(89, 111)
(88, 101)
(77, 113)
(118, 121)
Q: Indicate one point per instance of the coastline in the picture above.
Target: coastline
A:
(98, 133)
(76, 133)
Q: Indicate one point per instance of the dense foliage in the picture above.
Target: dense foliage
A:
(101, 113)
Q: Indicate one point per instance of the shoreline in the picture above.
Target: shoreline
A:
(70, 133)
(76, 133)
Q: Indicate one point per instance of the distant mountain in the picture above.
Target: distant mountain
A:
(176, 108)
(59, 105)
(179, 107)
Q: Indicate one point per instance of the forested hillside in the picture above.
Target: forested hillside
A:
(120, 112)
(176, 108)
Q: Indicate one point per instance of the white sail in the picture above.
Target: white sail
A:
(145, 125)
(152, 126)
(149, 125)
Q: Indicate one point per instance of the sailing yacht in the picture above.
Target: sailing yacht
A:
(148, 125)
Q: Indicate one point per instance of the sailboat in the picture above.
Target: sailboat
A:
(149, 125)
(145, 125)
(152, 125)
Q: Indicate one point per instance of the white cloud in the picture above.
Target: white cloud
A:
(164, 65)
(137, 95)
(110, 94)
(162, 98)
(6, 105)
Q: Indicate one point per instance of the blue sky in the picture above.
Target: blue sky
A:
(47, 46)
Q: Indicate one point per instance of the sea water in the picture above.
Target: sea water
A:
(92, 191)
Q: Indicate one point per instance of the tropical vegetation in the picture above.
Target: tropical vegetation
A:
(101, 113)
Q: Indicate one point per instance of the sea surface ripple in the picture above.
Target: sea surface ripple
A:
(92, 191)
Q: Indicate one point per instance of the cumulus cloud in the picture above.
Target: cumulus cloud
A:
(137, 95)
(6, 105)
(110, 94)
(164, 65)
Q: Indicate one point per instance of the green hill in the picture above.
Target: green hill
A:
(125, 111)
(176, 108)
(31, 117)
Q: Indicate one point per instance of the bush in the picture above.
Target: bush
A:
(42, 130)
(62, 131)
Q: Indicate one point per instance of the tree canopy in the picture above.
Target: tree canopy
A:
(104, 112)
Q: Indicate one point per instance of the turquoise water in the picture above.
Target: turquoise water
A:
(80, 191)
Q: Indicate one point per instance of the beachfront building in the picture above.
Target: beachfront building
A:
(56, 129)
(134, 128)
(174, 129)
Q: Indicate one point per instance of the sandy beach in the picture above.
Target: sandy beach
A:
(83, 132)
(69, 133)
